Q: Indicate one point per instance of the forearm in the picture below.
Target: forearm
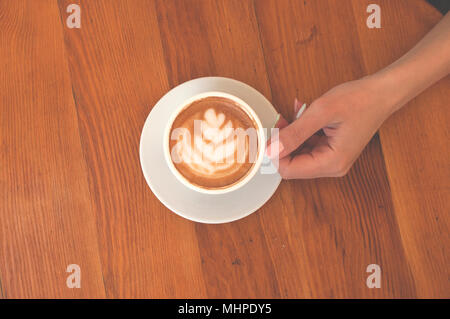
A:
(425, 64)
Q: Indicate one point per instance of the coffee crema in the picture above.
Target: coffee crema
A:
(213, 142)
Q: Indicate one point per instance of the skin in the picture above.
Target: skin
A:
(332, 132)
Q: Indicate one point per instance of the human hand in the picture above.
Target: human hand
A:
(332, 132)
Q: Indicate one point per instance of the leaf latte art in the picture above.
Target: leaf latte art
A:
(213, 142)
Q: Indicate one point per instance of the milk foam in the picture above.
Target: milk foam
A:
(214, 142)
(215, 147)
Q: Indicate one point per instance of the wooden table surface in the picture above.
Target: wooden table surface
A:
(72, 106)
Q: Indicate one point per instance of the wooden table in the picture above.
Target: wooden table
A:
(72, 106)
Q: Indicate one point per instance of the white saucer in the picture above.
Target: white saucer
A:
(178, 198)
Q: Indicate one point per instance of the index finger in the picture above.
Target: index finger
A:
(306, 165)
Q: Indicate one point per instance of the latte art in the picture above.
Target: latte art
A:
(215, 147)
(213, 143)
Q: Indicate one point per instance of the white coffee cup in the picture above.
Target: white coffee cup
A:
(261, 143)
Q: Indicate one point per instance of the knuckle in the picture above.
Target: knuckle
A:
(319, 102)
(325, 108)
(290, 138)
(296, 131)
(319, 105)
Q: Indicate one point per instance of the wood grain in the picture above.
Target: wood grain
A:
(420, 184)
(46, 210)
(312, 40)
(118, 74)
(73, 103)
(206, 38)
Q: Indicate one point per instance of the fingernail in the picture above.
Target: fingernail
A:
(274, 149)
(301, 110)
(276, 120)
(296, 105)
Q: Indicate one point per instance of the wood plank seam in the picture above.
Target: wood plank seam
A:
(394, 215)
(164, 49)
(84, 158)
(141, 60)
(368, 68)
(384, 168)
(266, 74)
(75, 101)
(392, 200)
(2, 293)
(171, 83)
(366, 227)
(213, 68)
(261, 44)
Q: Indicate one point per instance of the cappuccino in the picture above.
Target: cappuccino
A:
(214, 142)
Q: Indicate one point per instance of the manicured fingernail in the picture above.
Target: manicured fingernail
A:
(300, 111)
(274, 149)
(296, 105)
(276, 120)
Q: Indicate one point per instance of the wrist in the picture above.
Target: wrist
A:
(384, 90)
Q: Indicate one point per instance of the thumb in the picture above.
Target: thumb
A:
(292, 136)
